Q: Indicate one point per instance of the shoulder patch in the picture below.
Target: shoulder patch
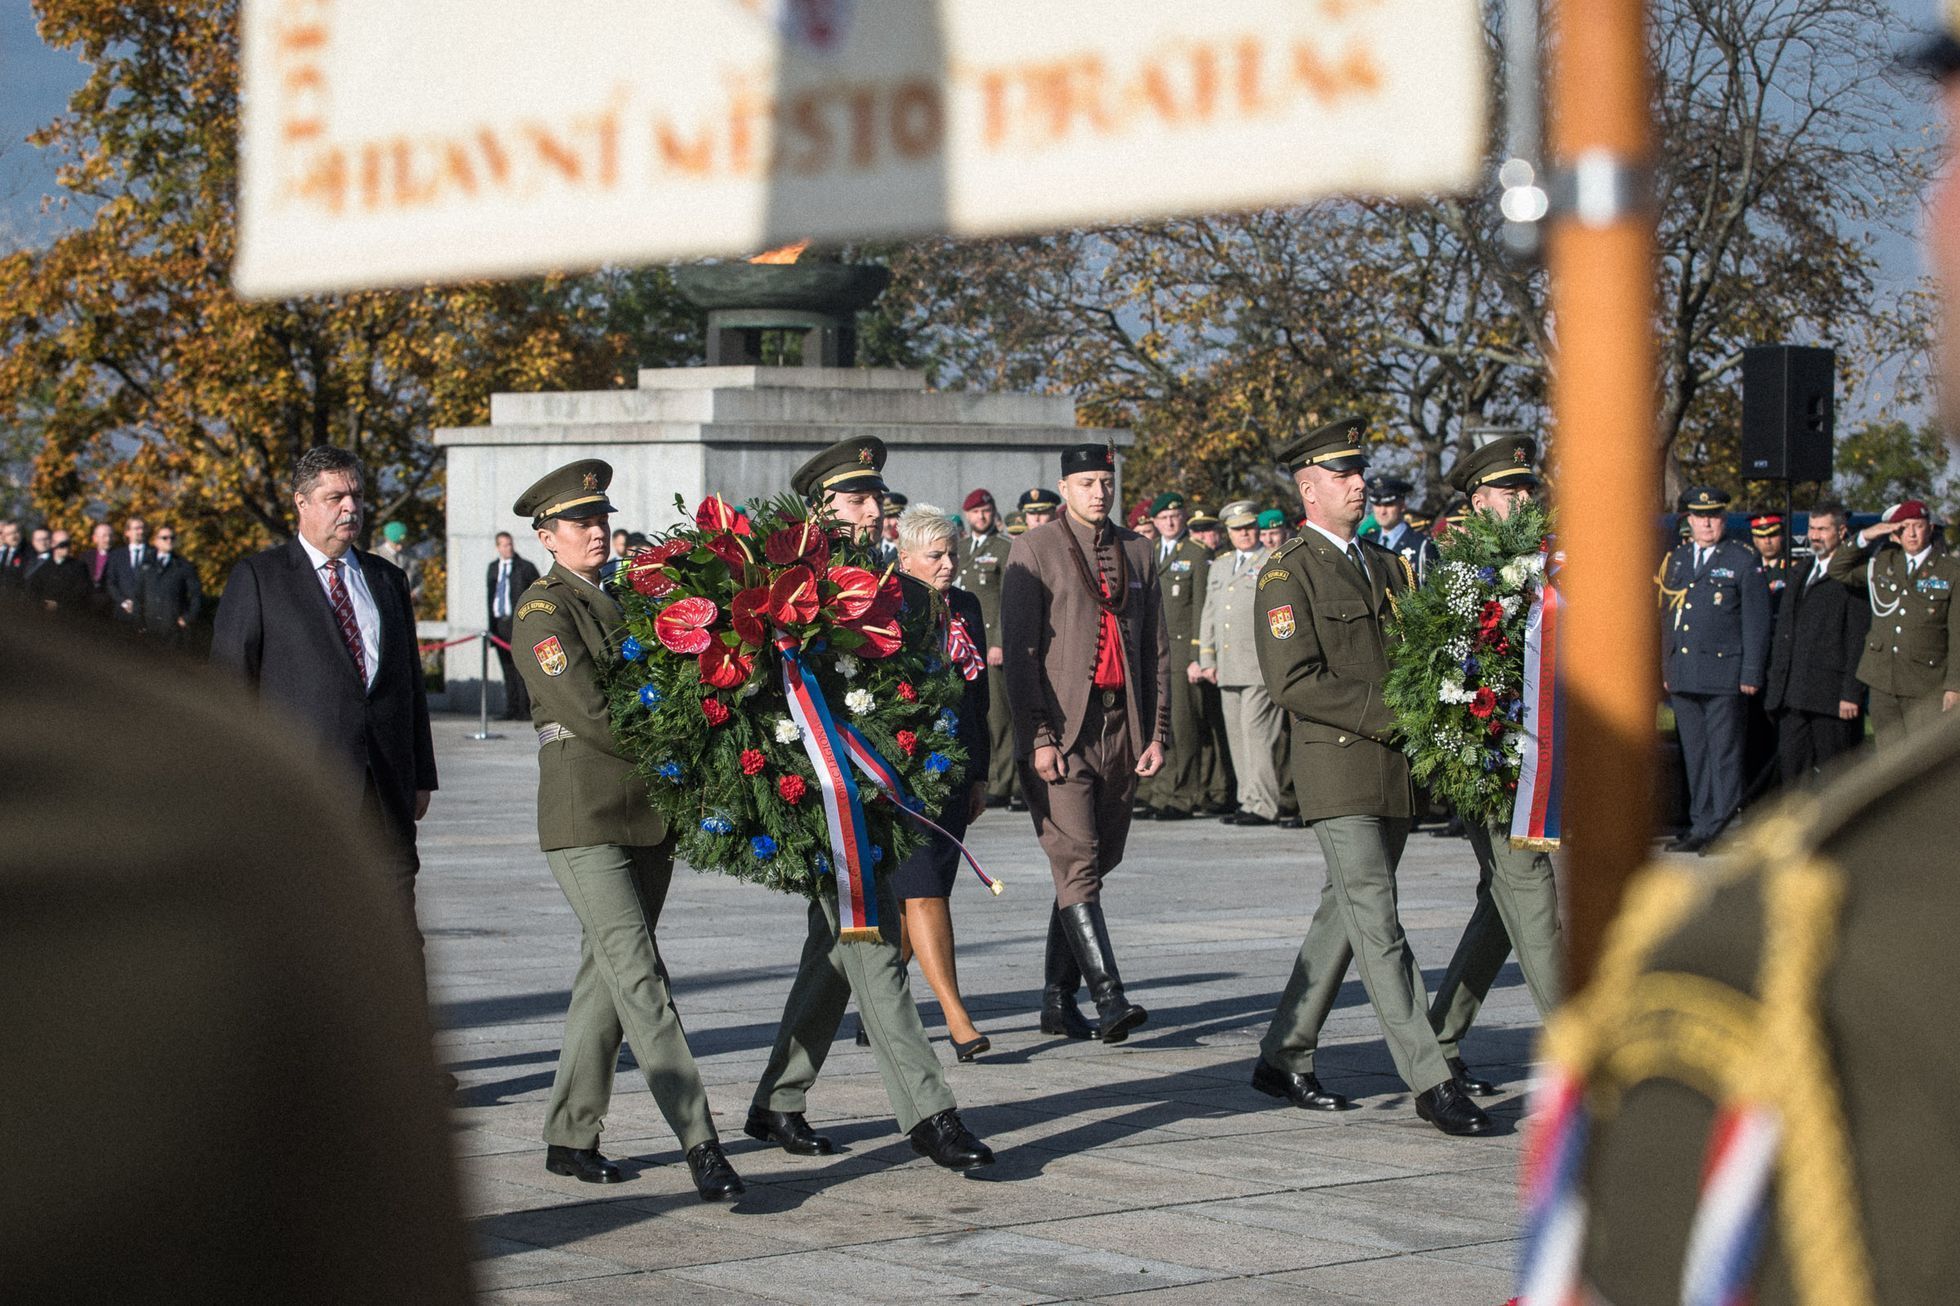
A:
(545, 606)
(550, 655)
(1280, 621)
(1268, 577)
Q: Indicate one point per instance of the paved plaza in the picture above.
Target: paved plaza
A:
(1147, 1171)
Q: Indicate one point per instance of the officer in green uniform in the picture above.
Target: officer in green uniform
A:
(1218, 779)
(842, 485)
(1909, 662)
(1517, 897)
(1322, 603)
(983, 565)
(607, 847)
(1183, 565)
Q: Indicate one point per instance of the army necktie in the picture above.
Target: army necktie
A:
(343, 611)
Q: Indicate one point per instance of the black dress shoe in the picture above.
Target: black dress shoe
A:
(968, 1051)
(1252, 818)
(1468, 1082)
(583, 1164)
(714, 1178)
(863, 1039)
(1172, 814)
(946, 1141)
(1300, 1090)
(995, 800)
(1688, 843)
(1290, 823)
(1445, 1107)
(1017, 804)
(788, 1130)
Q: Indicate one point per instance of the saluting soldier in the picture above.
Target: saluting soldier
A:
(1517, 895)
(1228, 658)
(1182, 565)
(983, 565)
(1323, 600)
(1388, 502)
(1908, 661)
(608, 848)
(842, 486)
(1714, 651)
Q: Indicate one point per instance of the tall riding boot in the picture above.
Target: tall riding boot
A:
(1088, 935)
(1060, 979)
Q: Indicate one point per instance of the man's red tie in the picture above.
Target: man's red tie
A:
(343, 611)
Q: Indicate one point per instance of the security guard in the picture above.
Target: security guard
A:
(983, 565)
(1388, 502)
(1177, 792)
(607, 847)
(1908, 662)
(1714, 647)
(1038, 507)
(1322, 602)
(842, 485)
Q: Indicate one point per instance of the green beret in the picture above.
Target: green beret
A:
(1165, 502)
(1335, 446)
(574, 492)
(848, 465)
(1507, 460)
(1270, 518)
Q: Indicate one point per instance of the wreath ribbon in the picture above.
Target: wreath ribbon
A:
(882, 774)
(850, 842)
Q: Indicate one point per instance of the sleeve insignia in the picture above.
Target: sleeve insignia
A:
(1268, 577)
(1279, 620)
(545, 606)
(550, 654)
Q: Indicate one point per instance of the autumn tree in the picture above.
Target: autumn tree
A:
(146, 385)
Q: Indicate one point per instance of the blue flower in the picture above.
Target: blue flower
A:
(1488, 575)
(823, 864)
(1470, 667)
(817, 646)
(1516, 711)
(1491, 759)
(877, 854)
(938, 763)
(932, 666)
(763, 847)
(650, 696)
(669, 770)
(717, 825)
(631, 650)
(949, 721)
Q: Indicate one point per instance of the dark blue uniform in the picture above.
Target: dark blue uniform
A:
(1714, 639)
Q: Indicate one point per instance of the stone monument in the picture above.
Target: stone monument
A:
(738, 428)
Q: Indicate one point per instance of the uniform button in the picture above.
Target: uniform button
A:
(1343, 739)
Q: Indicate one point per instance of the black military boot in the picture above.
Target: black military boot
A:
(1088, 936)
(1061, 977)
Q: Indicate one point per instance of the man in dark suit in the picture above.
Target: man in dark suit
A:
(61, 583)
(509, 576)
(13, 559)
(39, 550)
(169, 594)
(1812, 690)
(123, 577)
(324, 631)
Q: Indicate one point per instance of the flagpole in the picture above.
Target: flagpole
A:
(1600, 255)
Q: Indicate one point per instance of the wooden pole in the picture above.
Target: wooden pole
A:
(1600, 255)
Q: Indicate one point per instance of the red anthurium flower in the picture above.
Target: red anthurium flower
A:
(806, 544)
(881, 639)
(748, 611)
(793, 597)
(730, 550)
(644, 571)
(715, 710)
(724, 667)
(666, 551)
(682, 625)
(891, 597)
(907, 741)
(1484, 703)
(856, 589)
(906, 692)
(791, 788)
(753, 761)
(714, 514)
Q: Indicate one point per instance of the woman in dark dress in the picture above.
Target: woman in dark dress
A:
(928, 550)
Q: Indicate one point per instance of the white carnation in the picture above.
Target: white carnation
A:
(787, 731)
(847, 667)
(859, 701)
(1510, 605)
(1516, 571)
(1452, 691)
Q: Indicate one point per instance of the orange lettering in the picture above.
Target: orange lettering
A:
(324, 179)
(553, 152)
(1249, 68)
(864, 127)
(993, 97)
(918, 120)
(456, 167)
(371, 176)
(304, 120)
(696, 156)
(806, 117)
(494, 157)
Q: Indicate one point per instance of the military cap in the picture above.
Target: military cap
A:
(1166, 501)
(894, 500)
(1239, 513)
(395, 532)
(1203, 519)
(1140, 512)
(846, 466)
(977, 499)
(1766, 524)
(1939, 55)
(1705, 499)
(1388, 489)
(1507, 460)
(1088, 458)
(1046, 500)
(1270, 518)
(1016, 524)
(1910, 510)
(1335, 446)
(575, 492)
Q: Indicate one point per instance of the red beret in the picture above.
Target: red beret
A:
(1910, 510)
(977, 499)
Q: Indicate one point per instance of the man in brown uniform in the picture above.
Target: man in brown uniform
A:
(1909, 661)
(1086, 662)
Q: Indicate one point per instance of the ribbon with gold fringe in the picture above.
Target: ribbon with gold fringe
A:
(851, 852)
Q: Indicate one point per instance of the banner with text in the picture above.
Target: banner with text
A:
(386, 143)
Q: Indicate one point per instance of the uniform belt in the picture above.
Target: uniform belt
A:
(552, 733)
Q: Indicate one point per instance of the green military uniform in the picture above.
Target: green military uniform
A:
(831, 971)
(1217, 776)
(1517, 895)
(1908, 662)
(983, 565)
(606, 845)
(1322, 648)
(1183, 567)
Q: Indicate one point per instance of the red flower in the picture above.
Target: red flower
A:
(791, 788)
(880, 641)
(730, 550)
(746, 612)
(806, 544)
(793, 597)
(714, 514)
(857, 589)
(753, 761)
(907, 741)
(682, 625)
(906, 692)
(1484, 703)
(724, 667)
(715, 710)
(1496, 726)
(647, 577)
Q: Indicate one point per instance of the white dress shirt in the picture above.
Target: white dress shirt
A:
(501, 607)
(366, 616)
(1350, 547)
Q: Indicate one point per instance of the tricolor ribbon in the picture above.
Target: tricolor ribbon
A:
(881, 774)
(1554, 1209)
(1727, 1232)
(1536, 816)
(850, 844)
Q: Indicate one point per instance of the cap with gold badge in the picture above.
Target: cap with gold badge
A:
(1335, 446)
(1202, 519)
(1239, 514)
(574, 492)
(1705, 499)
(1508, 460)
(843, 468)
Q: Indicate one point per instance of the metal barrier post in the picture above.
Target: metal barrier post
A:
(483, 692)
